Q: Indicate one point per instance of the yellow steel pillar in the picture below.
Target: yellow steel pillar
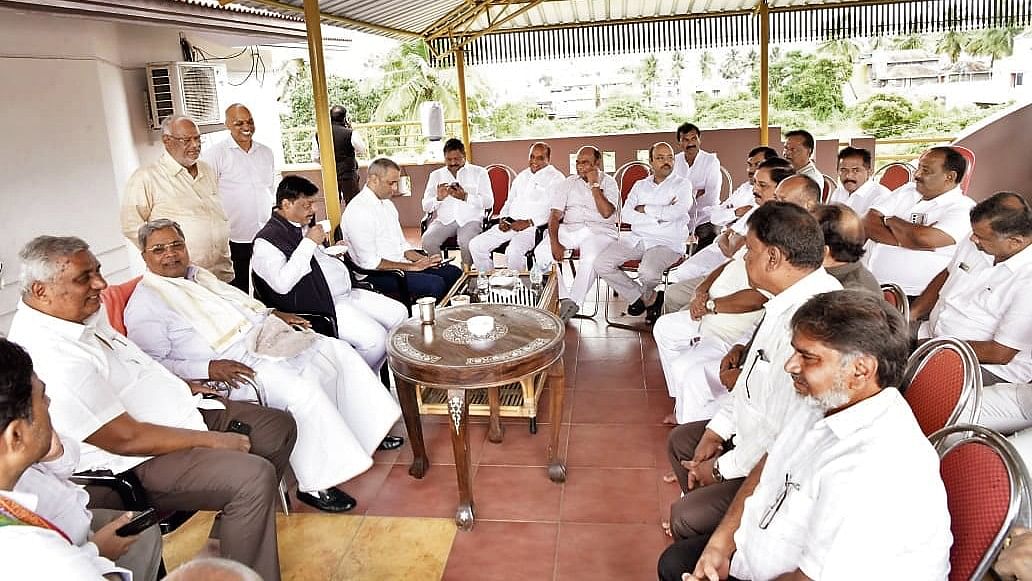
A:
(460, 70)
(764, 13)
(322, 112)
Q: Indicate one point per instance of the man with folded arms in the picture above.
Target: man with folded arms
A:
(201, 328)
(131, 414)
(583, 217)
(914, 232)
(457, 195)
(295, 275)
(657, 209)
(856, 188)
(526, 208)
(815, 507)
(784, 256)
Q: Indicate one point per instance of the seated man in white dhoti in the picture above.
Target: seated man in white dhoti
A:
(201, 328)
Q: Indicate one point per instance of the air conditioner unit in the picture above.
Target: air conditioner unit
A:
(192, 89)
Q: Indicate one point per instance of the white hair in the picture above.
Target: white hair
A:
(166, 125)
(39, 257)
(213, 569)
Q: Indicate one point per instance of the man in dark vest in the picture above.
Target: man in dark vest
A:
(347, 145)
(294, 273)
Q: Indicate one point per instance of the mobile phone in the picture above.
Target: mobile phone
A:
(239, 427)
(447, 260)
(139, 523)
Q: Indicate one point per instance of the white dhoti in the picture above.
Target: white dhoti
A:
(591, 243)
(342, 410)
(520, 243)
(691, 365)
(364, 318)
(699, 265)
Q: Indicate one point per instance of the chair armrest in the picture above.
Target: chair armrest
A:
(424, 222)
(398, 274)
(126, 485)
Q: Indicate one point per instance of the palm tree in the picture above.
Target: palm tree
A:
(706, 64)
(409, 80)
(676, 68)
(647, 74)
(993, 42)
(908, 42)
(951, 43)
(840, 47)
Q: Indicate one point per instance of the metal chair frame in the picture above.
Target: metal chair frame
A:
(900, 297)
(884, 170)
(972, 387)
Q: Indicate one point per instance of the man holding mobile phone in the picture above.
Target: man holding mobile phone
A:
(457, 196)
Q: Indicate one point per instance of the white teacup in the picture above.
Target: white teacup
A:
(480, 326)
(325, 225)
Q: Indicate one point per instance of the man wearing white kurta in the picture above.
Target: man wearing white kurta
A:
(457, 195)
(856, 189)
(586, 205)
(246, 175)
(915, 230)
(702, 169)
(798, 149)
(657, 211)
(200, 328)
(815, 508)
(527, 208)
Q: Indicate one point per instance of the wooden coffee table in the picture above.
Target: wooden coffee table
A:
(526, 343)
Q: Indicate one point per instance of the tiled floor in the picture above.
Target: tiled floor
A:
(602, 524)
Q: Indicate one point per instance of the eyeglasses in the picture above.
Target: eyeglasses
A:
(775, 506)
(187, 140)
(159, 249)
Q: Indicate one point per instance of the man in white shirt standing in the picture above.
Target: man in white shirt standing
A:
(702, 169)
(375, 240)
(657, 209)
(32, 547)
(915, 230)
(816, 507)
(181, 187)
(583, 217)
(798, 149)
(526, 208)
(457, 196)
(785, 252)
(856, 189)
(246, 174)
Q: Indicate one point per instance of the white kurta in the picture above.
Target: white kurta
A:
(705, 176)
(247, 185)
(862, 198)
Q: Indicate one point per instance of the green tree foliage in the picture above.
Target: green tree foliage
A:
(648, 74)
(509, 120)
(806, 82)
(993, 42)
(951, 43)
(706, 64)
(886, 115)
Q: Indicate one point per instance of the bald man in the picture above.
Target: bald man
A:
(799, 190)
(844, 239)
(246, 175)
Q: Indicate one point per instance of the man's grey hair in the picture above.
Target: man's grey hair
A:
(213, 569)
(380, 166)
(148, 228)
(39, 257)
(166, 125)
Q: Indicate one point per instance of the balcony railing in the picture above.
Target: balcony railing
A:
(401, 140)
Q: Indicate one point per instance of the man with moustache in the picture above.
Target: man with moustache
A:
(246, 175)
(457, 195)
(815, 506)
(798, 149)
(525, 209)
(914, 232)
(741, 200)
(181, 187)
(856, 188)
(657, 211)
(702, 169)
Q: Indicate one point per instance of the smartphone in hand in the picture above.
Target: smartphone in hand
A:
(239, 427)
(139, 523)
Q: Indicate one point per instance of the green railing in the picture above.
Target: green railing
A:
(402, 140)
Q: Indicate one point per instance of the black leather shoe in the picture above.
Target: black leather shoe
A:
(654, 311)
(391, 443)
(329, 500)
(636, 308)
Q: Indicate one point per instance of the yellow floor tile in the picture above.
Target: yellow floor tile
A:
(390, 548)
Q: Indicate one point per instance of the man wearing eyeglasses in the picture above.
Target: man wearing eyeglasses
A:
(181, 187)
(819, 505)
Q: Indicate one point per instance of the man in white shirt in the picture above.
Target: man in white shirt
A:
(456, 196)
(583, 217)
(295, 274)
(203, 329)
(983, 298)
(816, 506)
(741, 200)
(798, 149)
(784, 257)
(856, 189)
(131, 414)
(526, 208)
(914, 231)
(246, 174)
(181, 187)
(702, 169)
(32, 547)
(657, 210)
(375, 240)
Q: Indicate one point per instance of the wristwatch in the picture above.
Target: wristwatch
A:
(885, 220)
(594, 185)
(711, 306)
(717, 476)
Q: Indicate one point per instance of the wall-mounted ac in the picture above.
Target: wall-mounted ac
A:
(193, 89)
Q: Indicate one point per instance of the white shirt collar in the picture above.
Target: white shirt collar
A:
(859, 415)
(790, 296)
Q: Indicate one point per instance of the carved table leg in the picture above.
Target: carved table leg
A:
(414, 426)
(495, 431)
(458, 412)
(557, 381)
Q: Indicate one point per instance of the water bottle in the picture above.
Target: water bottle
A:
(483, 286)
(536, 276)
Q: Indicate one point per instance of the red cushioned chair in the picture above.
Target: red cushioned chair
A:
(829, 187)
(115, 297)
(970, 171)
(895, 296)
(941, 377)
(501, 177)
(895, 174)
(727, 185)
(987, 491)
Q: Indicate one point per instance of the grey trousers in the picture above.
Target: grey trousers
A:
(144, 556)
(699, 511)
(654, 261)
(436, 233)
(678, 295)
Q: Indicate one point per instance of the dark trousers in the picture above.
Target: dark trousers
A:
(349, 185)
(240, 254)
(699, 511)
(681, 557)
(243, 486)
(432, 282)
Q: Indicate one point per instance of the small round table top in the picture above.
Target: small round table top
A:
(524, 340)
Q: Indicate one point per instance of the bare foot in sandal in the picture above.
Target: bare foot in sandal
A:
(666, 529)
(670, 420)
(669, 478)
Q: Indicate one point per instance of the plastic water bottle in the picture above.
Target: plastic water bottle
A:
(483, 286)
(536, 276)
